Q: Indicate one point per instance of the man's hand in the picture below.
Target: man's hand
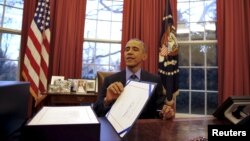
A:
(113, 92)
(167, 112)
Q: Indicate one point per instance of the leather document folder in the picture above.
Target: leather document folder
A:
(68, 123)
(127, 108)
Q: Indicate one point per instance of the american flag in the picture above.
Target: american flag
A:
(168, 55)
(36, 58)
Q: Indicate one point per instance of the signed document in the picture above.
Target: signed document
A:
(64, 115)
(129, 105)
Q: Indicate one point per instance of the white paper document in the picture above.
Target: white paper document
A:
(129, 105)
(64, 115)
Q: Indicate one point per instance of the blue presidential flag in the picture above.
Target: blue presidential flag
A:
(168, 55)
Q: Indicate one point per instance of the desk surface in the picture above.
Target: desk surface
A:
(179, 129)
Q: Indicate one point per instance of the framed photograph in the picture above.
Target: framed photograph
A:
(65, 86)
(74, 84)
(90, 86)
(81, 86)
(56, 79)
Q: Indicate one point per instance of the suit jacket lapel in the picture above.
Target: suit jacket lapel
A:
(123, 77)
(143, 76)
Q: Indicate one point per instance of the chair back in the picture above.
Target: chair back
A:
(100, 78)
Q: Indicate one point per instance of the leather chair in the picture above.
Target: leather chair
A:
(100, 78)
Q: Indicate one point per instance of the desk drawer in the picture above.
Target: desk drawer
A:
(70, 99)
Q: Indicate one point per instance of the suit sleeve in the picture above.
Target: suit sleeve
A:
(99, 107)
(160, 97)
(156, 100)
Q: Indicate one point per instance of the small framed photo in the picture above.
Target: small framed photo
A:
(81, 86)
(90, 86)
(56, 79)
(65, 86)
(74, 84)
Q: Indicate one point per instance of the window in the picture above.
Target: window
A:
(196, 33)
(102, 37)
(10, 37)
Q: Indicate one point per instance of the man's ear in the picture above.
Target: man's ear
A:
(145, 56)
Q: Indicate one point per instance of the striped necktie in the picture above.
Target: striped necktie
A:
(134, 77)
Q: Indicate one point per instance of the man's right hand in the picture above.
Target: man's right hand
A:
(113, 92)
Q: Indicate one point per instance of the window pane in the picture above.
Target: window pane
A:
(198, 79)
(15, 3)
(116, 31)
(1, 14)
(117, 10)
(184, 55)
(100, 57)
(198, 103)
(88, 71)
(90, 29)
(10, 45)
(197, 56)
(102, 68)
(114, 68)
(89, 53)
(8, 68)
(91, 9)
(104, 11)
(212, 55)
(184, 78)
(195, 13)
(197, 31)
(182, 102)
(103, 33)
(212, 103)
(183, 31)
(212, 79)
(102, 53)
(13, 18)
(210, 31)
(115, 54)
(183, 12)
(210, 6)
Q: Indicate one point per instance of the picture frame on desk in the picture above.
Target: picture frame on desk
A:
(63, 86)
(81, 86)
(55, 79)
(90, 85)
(74, 84)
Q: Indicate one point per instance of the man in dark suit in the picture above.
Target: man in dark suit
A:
(135, 53)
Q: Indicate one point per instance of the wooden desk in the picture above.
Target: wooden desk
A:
(158, 130)
(171, 130)
(62, 99)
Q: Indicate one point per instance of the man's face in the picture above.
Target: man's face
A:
(134, 56)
